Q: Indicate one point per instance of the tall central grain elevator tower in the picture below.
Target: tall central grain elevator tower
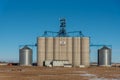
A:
(63, 49)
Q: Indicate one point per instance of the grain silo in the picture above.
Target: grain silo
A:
(104, 56)
(49, 48)
(63, 49)
(25, 56)
(69, 49)
(40, 51)
(56, 48)
(85, 51)
(76, 51)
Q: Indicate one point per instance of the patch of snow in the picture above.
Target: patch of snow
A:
(102, 79)
(88, 75)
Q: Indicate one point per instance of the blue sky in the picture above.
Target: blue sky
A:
(21, 21)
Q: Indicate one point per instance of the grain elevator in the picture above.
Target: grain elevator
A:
(63, 49)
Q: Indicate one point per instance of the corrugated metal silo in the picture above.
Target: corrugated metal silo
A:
(25, 56)
(104, 56)
(85, 51)
(76, 51)
(49, 48)
(40, 51)
(69, 49)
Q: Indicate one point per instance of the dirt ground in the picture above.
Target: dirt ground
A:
(58, 73)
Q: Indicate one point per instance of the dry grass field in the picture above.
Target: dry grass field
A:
(58, 73)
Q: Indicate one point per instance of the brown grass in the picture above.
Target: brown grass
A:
(57, 73)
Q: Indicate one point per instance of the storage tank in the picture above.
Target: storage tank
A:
(85, 54)
(104, 56)
(40, 51)
(63, 48)
(69, 49)
(25, 56)
(56, 55)
(76, 51)
(49, 48)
